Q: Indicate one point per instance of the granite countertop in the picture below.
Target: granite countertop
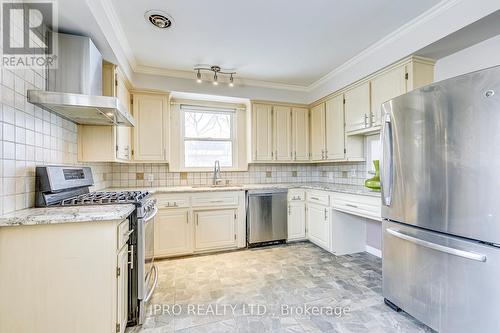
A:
(352, 189)
(73, 214)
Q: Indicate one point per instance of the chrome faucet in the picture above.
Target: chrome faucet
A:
(217, 179)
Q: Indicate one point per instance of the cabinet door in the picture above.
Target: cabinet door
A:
(385, 87)
(357, 108)
(122, 288)
(296, 220)
(318, 132)
(318, 222)
(300, 134)
(150, 132)
(215, 229)
(123, 133)
(173, 232)
(262, 130)
(334, 116)
(282, 133)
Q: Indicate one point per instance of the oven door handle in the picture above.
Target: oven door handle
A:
(155, 282)
(151, 215)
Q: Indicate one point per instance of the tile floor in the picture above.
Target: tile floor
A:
(257, 290)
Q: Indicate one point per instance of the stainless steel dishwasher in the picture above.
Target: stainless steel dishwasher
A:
(266, 216)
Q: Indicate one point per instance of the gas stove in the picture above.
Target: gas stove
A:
(102, 198)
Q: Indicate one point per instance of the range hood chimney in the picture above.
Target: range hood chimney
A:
(74, 88)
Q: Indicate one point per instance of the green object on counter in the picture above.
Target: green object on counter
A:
(374, 182)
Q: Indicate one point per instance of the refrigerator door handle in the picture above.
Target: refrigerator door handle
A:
(387, 163)
(437, 247)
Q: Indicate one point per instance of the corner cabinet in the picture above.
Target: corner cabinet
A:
(151, 133)
(108, 143)
(328, 140)
(280, 133)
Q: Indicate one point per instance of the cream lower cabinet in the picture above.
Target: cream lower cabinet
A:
(199, 222)
(122, 289)
(173, 232)
(318, 225)
(296, 215)
(296, 221)
(215, 229)
(66, 277)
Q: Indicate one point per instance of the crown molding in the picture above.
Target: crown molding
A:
(113, 31)
(151, 70)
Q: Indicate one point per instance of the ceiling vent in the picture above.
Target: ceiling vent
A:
(159, 19)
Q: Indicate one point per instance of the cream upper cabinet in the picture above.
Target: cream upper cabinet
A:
(262, 130)
(215, 229)
(334, 122)
(282, 120)
(357, 108)
(385, 87)
(151, 130)
(318, 132)
(300, 134)
(108, 143)
(173, 233)
(123, 133)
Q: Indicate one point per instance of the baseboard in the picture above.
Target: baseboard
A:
(374, 251)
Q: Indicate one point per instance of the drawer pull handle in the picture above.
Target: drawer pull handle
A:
(350, 205)
(314, 198)
(216, 201)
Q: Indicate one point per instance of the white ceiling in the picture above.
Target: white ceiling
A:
(279, 41)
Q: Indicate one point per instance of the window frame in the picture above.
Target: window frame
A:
(233, 135)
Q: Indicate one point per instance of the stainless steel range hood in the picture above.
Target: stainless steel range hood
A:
(74, 88)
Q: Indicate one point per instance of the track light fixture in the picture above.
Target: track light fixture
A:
(217, 70)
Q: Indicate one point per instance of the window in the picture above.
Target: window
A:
(373, 151)
(208, 136)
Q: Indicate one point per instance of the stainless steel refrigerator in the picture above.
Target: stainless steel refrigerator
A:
(440, 174)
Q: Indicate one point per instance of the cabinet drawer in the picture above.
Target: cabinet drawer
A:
(318, 197)
(361, 205)
(123, 234)
(170, 201)
(214, 199)
(296, 195)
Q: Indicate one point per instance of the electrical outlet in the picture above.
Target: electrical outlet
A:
(330, 176)
(352, 173)
(294, 173)
(269, 174)
(150, 177)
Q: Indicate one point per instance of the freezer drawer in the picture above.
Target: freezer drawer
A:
(448, 283)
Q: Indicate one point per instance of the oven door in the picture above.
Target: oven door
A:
(150, 270)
